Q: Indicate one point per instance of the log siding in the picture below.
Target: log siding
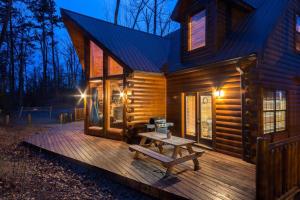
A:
(227, 113)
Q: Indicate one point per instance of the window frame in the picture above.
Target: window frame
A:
(188, 41)
(275, 111)
(297, 34)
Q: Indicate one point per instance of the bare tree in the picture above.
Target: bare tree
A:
(136, 10)
(72, 63)
(147, 15)
(7, 10)
(117, 8)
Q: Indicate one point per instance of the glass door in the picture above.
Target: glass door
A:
(198, 116)
(190, 116)
(205, 119)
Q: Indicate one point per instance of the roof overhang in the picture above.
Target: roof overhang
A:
(79, 36)
(182, 5)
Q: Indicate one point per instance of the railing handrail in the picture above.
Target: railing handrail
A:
(287, 141)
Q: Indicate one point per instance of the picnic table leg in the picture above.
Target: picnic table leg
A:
(196, 162)
(160, 147)
(142, 142)
(174, 156)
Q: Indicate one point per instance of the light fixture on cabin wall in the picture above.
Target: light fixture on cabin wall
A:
(219, 93)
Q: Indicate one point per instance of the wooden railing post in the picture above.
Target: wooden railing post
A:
(262, 169)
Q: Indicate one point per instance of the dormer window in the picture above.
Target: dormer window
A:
(197, 31)
(297, 39)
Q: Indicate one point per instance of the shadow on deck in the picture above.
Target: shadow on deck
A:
(220, 176)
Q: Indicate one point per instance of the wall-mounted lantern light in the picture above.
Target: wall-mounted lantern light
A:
(219, 93)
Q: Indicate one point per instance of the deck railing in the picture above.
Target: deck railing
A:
(79, 114)
(278, 168)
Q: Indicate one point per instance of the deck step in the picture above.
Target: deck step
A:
(148, 152)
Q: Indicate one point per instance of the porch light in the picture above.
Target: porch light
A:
(122, 94)
(219, 93)
(82, 95)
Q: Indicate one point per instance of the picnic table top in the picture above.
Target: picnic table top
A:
(175, 141)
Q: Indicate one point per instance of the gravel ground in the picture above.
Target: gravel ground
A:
(28, 174)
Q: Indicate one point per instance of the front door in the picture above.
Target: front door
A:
(199, 117)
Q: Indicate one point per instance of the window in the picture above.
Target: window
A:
(114, 68)
(95, 104)
(96, 59)
(115, 104)
(274, 111)
(197, 31)
(297, 35)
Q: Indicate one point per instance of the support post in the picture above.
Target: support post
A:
(29, 119)
(6, 119)
(262, 169)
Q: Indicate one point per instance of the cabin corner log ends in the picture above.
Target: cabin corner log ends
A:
(277, 168)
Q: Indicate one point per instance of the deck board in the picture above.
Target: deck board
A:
(220, 177)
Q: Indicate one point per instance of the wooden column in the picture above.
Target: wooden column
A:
(262, 169)
(87, 77)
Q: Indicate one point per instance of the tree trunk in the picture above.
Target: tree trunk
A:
(5, 23)
(117, 11)
(12, 56)
(155, 17)
(21, 73)
(45, 58)
(53, 58)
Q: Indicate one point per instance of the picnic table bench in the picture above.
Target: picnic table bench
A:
(161, 139)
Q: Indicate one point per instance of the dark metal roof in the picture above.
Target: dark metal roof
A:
(146, 52)
(138, 50)
(249, 38)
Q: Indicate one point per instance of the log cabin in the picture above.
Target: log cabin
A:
(228, 75)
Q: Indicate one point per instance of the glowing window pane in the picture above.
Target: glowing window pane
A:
(190, 114)
(96, 61)
(114, 68)
(197, 30)
(275, 108)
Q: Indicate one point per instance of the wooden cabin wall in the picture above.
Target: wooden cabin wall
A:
(146, 97)
(227, 110)
(280, 66)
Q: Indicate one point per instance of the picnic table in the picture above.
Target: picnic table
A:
(160, 140)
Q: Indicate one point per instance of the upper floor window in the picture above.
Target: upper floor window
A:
(297, 41)
(96, 61)
(197, 31)
(274, 111)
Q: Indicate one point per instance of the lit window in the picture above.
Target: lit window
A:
(96, 60)
(274, 111)
(297, 33)
(197, 31)
(114, 68)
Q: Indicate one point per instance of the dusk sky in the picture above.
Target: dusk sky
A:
(103, 9)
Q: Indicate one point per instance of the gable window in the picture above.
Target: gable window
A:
(96, 61)
(297, 39)
(197, 31)
(114, 68)
(274, 111)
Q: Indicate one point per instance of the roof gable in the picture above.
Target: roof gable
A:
(138, 50)
(250, 36)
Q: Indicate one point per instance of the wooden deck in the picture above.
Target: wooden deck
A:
(220, 176)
